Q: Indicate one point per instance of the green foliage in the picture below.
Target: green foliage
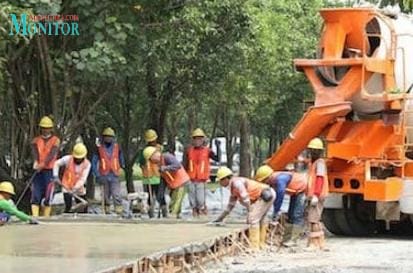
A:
(166, 64)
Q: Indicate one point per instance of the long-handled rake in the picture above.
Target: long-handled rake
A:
(83, 203)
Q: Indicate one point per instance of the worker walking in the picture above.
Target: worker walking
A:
(256, 197)
(44, 149)
(7, 208)
(317, 191)
(295, 185)
(174, 174)
(196, 163)
(152, 182)
(106, 167)
(76, 171)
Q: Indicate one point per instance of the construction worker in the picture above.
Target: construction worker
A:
(76, 171)
(106, 167)
(44, 149)
(196, 163)
(255, 196)
(7, 208)
(292, 183)
(174, 174)
(152, 182)
(317, 191)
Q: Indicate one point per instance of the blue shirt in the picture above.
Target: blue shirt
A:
(280, 184)
(109, 150)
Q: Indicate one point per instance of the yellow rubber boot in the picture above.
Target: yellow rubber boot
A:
(119, 210)
(263, 235)
(254, 237)
(47, 210)
(35, 210)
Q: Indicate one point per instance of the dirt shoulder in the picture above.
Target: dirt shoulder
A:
(350, 255)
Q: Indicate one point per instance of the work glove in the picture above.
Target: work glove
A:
(314, 201)
(33, 222)
(56, 180)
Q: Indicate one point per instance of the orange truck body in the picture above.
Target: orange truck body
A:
(357, 149)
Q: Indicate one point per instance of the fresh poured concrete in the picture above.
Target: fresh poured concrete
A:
(89, 247)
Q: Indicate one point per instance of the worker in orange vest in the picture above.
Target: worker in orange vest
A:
(196, 163)
(295, 185)
(45, 148)
(106, 167)
(174, 174)
(255, 196)
(317, 191)
(75, 174)
(152, 182)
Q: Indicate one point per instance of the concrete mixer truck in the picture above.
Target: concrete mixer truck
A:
(364, 112)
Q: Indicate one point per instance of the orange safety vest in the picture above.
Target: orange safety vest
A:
(198, 163)
(298, 183)
(175, 179)
(108, 164)
(151, 169)
(70, 176)
(312, 178)
(44, 147)
(253, 188)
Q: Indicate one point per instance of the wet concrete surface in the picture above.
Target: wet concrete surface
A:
(90, 247)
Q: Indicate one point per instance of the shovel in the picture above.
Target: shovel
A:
(26, 188)
(83, 203)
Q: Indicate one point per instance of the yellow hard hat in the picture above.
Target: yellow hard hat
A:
(148, 152)
(316, 144)
(263, 172)
(198, 132)
(7, 187)
(46, 122)
(150, 135)
(108, 132)
(223, 172)
(79, 151)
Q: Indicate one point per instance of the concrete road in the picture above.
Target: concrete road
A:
(89, 247)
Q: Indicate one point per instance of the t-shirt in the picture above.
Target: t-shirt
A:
(7, 207)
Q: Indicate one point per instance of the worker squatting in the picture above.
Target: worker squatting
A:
(161, 170)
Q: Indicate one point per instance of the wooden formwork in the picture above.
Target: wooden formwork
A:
(191, 258)
(188, 258)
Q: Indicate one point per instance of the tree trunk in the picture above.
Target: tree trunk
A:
(245, 156)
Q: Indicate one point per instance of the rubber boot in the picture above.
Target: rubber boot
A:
(47, 210)
(119, 209)
(263, 235)
(204, 211)
(35, 210)
(295, 235)
(254, 237)
(107, 209)
(151, 212)
(195, 213)
(164, 210)
(288, 230)
(313, 238)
